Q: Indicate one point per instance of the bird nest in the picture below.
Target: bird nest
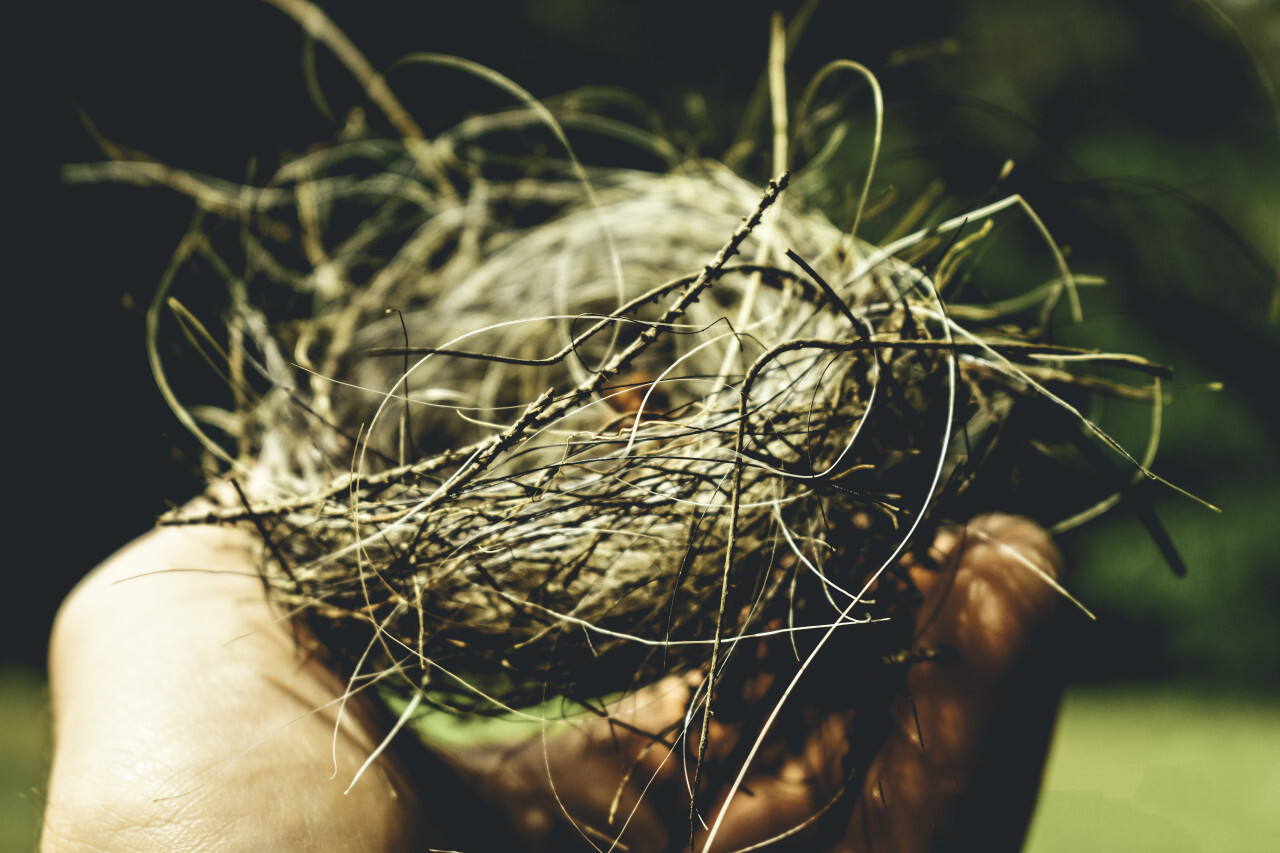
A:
(626, 450)
(531, 429)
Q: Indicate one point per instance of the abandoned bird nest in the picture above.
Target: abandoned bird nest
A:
(546, 430)
(676, 417)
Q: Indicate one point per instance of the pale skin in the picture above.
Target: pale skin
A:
(190, 716)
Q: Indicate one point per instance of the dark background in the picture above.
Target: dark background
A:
(1142, 131)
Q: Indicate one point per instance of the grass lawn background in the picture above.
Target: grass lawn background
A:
(1161, 769)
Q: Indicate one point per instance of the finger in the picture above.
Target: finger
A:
(596, 780)
(962, 762)
(783, 802)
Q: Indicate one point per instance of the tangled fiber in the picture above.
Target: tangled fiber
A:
(542, 430)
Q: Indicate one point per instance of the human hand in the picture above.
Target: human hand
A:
(187, 718)
(959, 769)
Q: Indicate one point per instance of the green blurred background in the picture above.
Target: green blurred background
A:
(1143, 133)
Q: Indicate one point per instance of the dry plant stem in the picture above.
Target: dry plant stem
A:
(877, 135)
(778, 100)
(190, 243)
(747, 137)
(318, 25)
(218, 196)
